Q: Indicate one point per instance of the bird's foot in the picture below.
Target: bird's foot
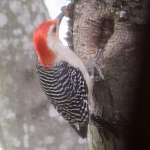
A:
(95, 65)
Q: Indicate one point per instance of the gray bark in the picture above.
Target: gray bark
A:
(26, 120)
(119, 31)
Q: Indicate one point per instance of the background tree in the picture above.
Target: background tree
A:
(119, 28)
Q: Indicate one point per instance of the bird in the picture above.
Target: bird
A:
(62, 76)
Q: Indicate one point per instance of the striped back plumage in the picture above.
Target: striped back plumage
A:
(65, 86)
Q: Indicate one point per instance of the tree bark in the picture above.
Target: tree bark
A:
(118, 28)
(18, 83)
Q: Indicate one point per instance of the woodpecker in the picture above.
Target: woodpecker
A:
(62, 75)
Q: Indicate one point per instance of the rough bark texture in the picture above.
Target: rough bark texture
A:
(118, 28)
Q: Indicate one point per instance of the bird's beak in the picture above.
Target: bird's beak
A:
(60, 17)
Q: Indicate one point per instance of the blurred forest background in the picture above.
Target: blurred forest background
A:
(27, 120)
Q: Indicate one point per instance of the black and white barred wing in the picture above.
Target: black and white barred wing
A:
(65, 87)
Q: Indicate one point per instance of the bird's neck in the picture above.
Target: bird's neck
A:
(46, 56)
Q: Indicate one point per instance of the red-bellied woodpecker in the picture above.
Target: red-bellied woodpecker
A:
(62, 76)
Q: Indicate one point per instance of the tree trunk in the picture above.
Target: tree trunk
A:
(117, 27)
(20, 94)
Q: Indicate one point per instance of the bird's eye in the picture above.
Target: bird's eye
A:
(54, 29)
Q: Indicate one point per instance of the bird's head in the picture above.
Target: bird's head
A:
(44, 38)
